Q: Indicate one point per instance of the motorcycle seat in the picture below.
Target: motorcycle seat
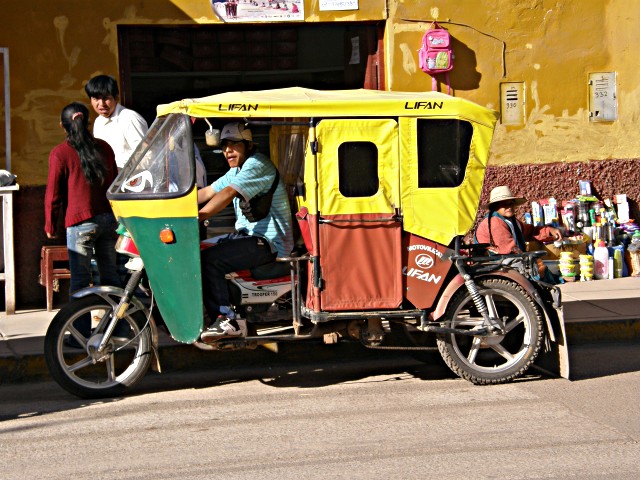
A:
(271, 270)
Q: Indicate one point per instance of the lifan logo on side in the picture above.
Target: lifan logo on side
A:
(424, 261)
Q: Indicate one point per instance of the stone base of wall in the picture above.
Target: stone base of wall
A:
(560, 181)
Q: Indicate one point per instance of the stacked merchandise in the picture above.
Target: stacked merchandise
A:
(634, 253)
(567, 266)
(598, 232)
(586, 268)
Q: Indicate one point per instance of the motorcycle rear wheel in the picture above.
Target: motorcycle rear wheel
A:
(96, 376)
(493, 359)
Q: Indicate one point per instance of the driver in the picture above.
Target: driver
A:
(253, 243)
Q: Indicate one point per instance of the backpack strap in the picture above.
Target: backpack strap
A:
(271, 190)
(274, 185)
(491, 242)
(434, 83)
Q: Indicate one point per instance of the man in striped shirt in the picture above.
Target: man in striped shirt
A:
(253, 243)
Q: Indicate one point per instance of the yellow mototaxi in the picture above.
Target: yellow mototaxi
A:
(382, 178)
(384, 185)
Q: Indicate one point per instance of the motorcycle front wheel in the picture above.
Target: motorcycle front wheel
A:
(494, 358)
(71, 342)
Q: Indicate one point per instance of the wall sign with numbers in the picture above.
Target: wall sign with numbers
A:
(603, 98)
(512, 103)
(334, 5)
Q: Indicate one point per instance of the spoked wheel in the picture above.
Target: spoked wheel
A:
(72, 341)
(493, 358)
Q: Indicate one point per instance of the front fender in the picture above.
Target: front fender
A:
(458, 282)
(107, 292)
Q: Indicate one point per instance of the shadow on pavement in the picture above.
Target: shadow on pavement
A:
(295, 367)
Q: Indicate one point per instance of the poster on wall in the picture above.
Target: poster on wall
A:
(258, 10)
(335, 5)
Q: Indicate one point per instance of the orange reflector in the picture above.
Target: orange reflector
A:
(166, 236)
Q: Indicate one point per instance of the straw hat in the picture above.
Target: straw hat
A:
(502, 193)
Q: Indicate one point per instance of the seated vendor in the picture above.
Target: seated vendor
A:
(503, 231)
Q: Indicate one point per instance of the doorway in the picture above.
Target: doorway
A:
(161, 64)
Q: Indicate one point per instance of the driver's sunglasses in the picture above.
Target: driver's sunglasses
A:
(230, 143)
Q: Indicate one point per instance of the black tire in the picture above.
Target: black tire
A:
(493, 359)
(84, 374)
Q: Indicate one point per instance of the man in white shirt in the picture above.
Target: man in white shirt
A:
(120, 127)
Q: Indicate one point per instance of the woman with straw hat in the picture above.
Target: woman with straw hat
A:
(503, 231)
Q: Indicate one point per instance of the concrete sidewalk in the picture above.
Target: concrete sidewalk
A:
(22, 347)
(594, 312)
(23, 333)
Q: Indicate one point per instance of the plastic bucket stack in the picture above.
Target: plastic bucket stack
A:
(586, 268)
(567, 267)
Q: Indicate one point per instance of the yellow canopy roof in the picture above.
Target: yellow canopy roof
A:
(302, 102)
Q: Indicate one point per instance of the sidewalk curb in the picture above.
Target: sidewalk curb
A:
(609, 331)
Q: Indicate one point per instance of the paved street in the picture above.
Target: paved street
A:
(389, 417)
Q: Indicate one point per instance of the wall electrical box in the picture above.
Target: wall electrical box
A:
(603, 98)
(512, 103)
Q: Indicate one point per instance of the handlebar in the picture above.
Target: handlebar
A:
(471, 263)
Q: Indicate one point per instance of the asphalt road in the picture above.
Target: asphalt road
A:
(387, 417)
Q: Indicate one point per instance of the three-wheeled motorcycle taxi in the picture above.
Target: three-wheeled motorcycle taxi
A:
(384, 185)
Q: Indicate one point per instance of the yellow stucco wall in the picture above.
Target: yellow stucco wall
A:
(55, 47)
(551, 46)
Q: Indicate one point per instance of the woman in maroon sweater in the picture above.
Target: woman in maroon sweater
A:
(503, 231)
(81, 169)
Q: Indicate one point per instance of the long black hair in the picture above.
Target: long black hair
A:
(75, 121)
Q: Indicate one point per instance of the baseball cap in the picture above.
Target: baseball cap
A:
(236, 132)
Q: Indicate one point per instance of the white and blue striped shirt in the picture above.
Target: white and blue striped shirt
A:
(255, 178)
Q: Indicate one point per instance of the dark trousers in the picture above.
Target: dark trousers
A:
(229, 253)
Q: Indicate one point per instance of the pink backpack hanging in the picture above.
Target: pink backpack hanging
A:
(436, 55)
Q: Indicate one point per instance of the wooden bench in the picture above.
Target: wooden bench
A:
(49, 275)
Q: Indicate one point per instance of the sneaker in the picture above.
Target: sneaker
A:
(222, 327)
